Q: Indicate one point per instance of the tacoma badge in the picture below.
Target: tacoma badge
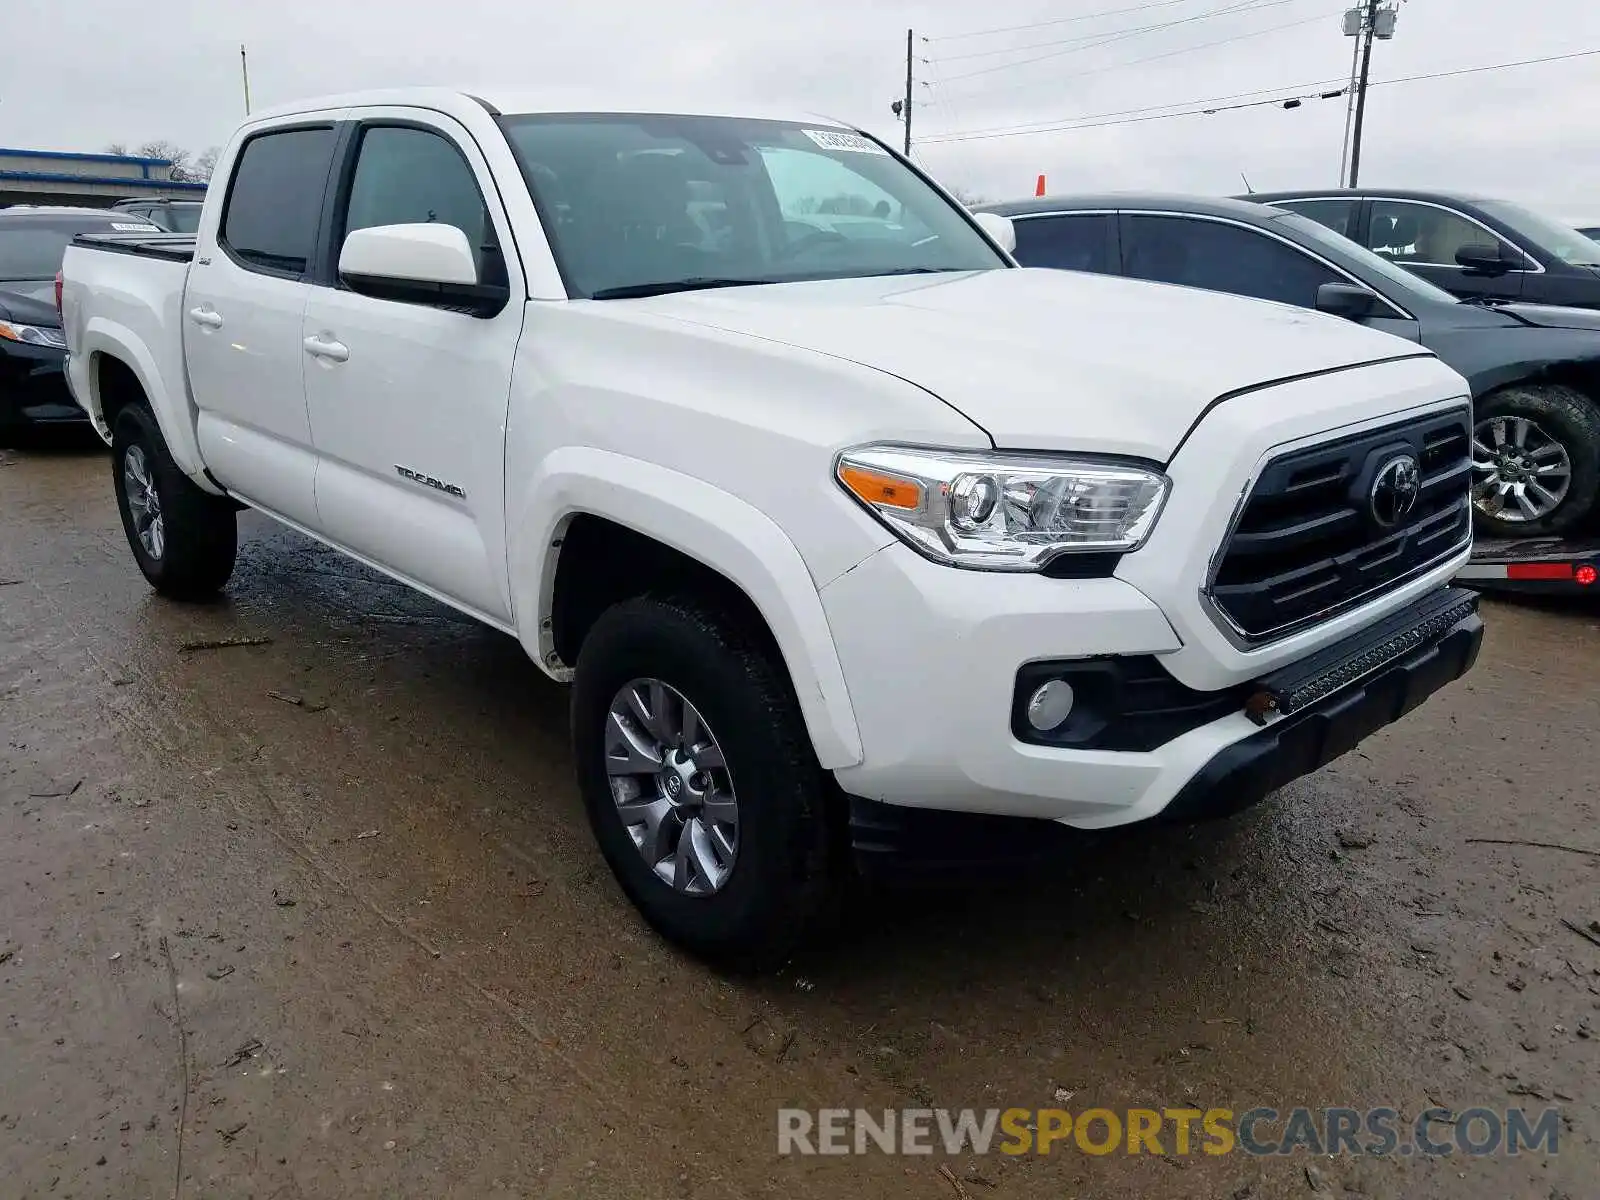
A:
(439, 485)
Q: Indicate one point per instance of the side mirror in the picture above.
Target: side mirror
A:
(418, 264)
(1000, 229)
(1483, 258)
(1346, 300)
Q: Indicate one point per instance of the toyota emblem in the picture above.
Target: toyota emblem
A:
(1395, 490)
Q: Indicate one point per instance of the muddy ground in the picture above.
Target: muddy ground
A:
(321, 917)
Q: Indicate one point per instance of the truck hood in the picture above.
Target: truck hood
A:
(1048, 360)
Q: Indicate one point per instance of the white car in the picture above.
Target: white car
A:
(826, 532)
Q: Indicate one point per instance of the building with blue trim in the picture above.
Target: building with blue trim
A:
(96, 180)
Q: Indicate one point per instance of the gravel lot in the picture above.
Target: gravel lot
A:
(321, 916)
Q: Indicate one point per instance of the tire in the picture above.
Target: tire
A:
(783, 880)
(191, 554)
(1558, 416)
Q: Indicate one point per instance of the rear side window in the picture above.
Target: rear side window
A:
(275, 199)
(1338, 215)
(1075, 243)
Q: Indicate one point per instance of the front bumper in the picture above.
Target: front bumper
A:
(932, 658)
(1313, 736)
(33, 386)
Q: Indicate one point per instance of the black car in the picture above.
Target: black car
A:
(175, 216)
(1534, 371)
(33, 388)
(1474, 247)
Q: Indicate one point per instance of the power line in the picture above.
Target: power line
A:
(1108, 36)
(1095, 16)
(1278, 94)
(1293, 100)
(1068, 124)
(1238, 37)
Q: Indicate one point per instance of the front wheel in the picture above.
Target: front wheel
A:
(700, 782)
(184, 539)
(1535, 461)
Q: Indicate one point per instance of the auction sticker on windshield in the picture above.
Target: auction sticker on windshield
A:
(835, 139)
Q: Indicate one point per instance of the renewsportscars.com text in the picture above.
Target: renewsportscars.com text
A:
(1435, 1132)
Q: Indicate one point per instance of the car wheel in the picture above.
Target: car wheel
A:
(184, 539)
(700, 782)
(1535, 461)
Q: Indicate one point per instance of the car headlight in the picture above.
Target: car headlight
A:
(32, 335)
(1004, 512)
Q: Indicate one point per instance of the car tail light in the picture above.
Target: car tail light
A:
(58, 295)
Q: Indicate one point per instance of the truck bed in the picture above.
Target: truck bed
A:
(174, 247)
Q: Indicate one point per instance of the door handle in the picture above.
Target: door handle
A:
(334, 351)
(210, 318)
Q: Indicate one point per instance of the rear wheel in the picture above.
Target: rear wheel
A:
(184, 539)
(1535, 461)
(700, 782)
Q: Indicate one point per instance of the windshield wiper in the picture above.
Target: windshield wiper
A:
(698, 283)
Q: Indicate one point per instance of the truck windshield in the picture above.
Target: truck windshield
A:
(642, 204)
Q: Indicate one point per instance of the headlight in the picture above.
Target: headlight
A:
(33, 335)
(1004, 512)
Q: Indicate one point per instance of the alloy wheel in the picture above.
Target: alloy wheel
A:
(671, 785)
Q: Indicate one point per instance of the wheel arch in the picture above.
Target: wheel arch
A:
(601, 507)
(119, 361)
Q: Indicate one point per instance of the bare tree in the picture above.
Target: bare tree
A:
(204, 164)
(117, 148)
(172, 152)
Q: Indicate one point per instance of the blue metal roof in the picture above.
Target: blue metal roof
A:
(160, 185)
(64, 154)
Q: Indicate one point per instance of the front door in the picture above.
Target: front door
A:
(408, 399)
(241, 316)
(1424, 239)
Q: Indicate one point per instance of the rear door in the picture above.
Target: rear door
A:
(242, 313)
(408, 398)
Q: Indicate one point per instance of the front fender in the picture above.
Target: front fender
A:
(102, 336)
(715, 528)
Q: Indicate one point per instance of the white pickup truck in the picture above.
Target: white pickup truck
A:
(834, 535)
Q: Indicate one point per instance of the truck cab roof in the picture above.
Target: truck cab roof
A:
(525, 100)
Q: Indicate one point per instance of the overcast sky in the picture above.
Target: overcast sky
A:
(78, 74)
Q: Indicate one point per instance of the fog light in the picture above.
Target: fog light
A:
(1050, 705)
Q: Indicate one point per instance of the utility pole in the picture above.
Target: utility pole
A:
(1350, 108)
(244, 67)
(909, 85)
(1375, 22)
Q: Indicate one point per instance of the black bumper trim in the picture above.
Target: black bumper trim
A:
(1244, 773)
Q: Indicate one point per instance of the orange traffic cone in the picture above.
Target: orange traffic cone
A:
(1039, 189)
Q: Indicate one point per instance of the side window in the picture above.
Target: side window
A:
(1068, 243)
(1337, 215)
(1420, 233)
(270, 223)
(408, 176)
(1221, 258)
